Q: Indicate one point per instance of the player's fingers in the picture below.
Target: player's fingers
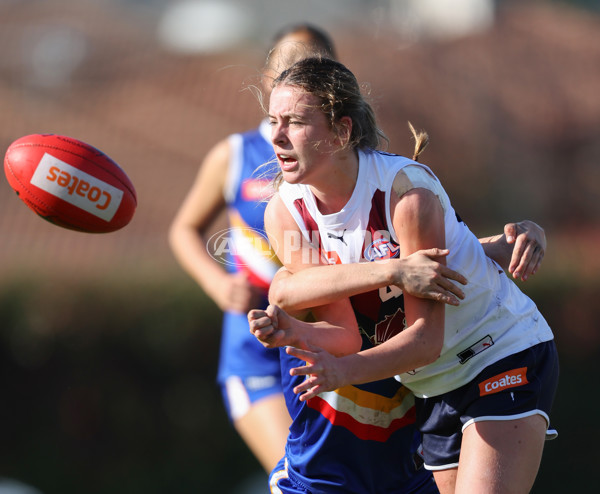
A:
(510, 232)
(307, 355)
(273, 339)
(255, 314)
(519, 255)
(264, 332)
(261, 322)
(311, 393)
(447, 291)
(262, 325)
(538, 261)
(305, 385)
(273, 312)
(268, 340)
(444, 297)
(532, 260)
(450, 274)
(453, 290)
(434, 252)
(525, 257)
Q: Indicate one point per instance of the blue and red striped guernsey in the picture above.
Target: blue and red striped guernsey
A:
(367, 415)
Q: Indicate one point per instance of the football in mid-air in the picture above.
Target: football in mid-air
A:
(70, 183)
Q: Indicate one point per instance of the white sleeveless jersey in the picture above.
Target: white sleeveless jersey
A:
(493, 321)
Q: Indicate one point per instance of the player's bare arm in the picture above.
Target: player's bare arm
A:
(273, 327)
(201, 206)
(519, 250)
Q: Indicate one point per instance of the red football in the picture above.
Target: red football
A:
(70, 183)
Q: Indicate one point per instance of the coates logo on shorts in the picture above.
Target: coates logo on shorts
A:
(381, 248)
(239, 246)
(506, 380)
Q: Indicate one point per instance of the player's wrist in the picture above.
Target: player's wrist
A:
(396, 272)
(388, 272)
(297, 334)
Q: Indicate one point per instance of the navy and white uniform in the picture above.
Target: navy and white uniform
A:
(494, 321)
(247, 370)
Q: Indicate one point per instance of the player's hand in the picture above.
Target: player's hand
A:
(323, 372)
(422, 276)
(270, 326)
(529, 248)
(236, 294)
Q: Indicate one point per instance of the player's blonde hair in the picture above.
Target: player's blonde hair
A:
(421, 141)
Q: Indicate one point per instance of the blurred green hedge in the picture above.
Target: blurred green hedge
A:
(109, 386)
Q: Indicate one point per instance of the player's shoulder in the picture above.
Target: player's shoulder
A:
(411, 177)
(380, 168)
(383, 162)
(277, 215)
(276, 203)
(274, 207)
(220, 151)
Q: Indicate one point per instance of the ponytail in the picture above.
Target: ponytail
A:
(421, 141)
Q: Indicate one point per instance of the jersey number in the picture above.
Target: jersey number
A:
(389, 292)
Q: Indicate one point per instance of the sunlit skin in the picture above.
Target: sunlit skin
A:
(308, 150)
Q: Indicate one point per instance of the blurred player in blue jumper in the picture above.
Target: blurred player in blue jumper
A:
(232, 178)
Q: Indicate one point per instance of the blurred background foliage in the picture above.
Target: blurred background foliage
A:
(109, 351)
(108, 386)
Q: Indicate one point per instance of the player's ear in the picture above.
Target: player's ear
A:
(344, 130)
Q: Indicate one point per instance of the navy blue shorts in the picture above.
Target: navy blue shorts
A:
(517, 386)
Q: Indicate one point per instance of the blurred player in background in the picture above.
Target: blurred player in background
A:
(232, 179)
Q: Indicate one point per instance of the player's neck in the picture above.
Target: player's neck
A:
(334, 191)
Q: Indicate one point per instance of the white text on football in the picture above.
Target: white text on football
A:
(77, 187)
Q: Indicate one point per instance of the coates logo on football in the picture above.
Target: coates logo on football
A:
(77, 187)
(506, 380)
(240, 246)
(381, 248)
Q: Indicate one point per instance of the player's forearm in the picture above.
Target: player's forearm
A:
(498, 249)
(411, 349)
(321, 285)
(189, 250)
(337, 340)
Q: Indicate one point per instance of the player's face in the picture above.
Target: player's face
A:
(303, 141)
